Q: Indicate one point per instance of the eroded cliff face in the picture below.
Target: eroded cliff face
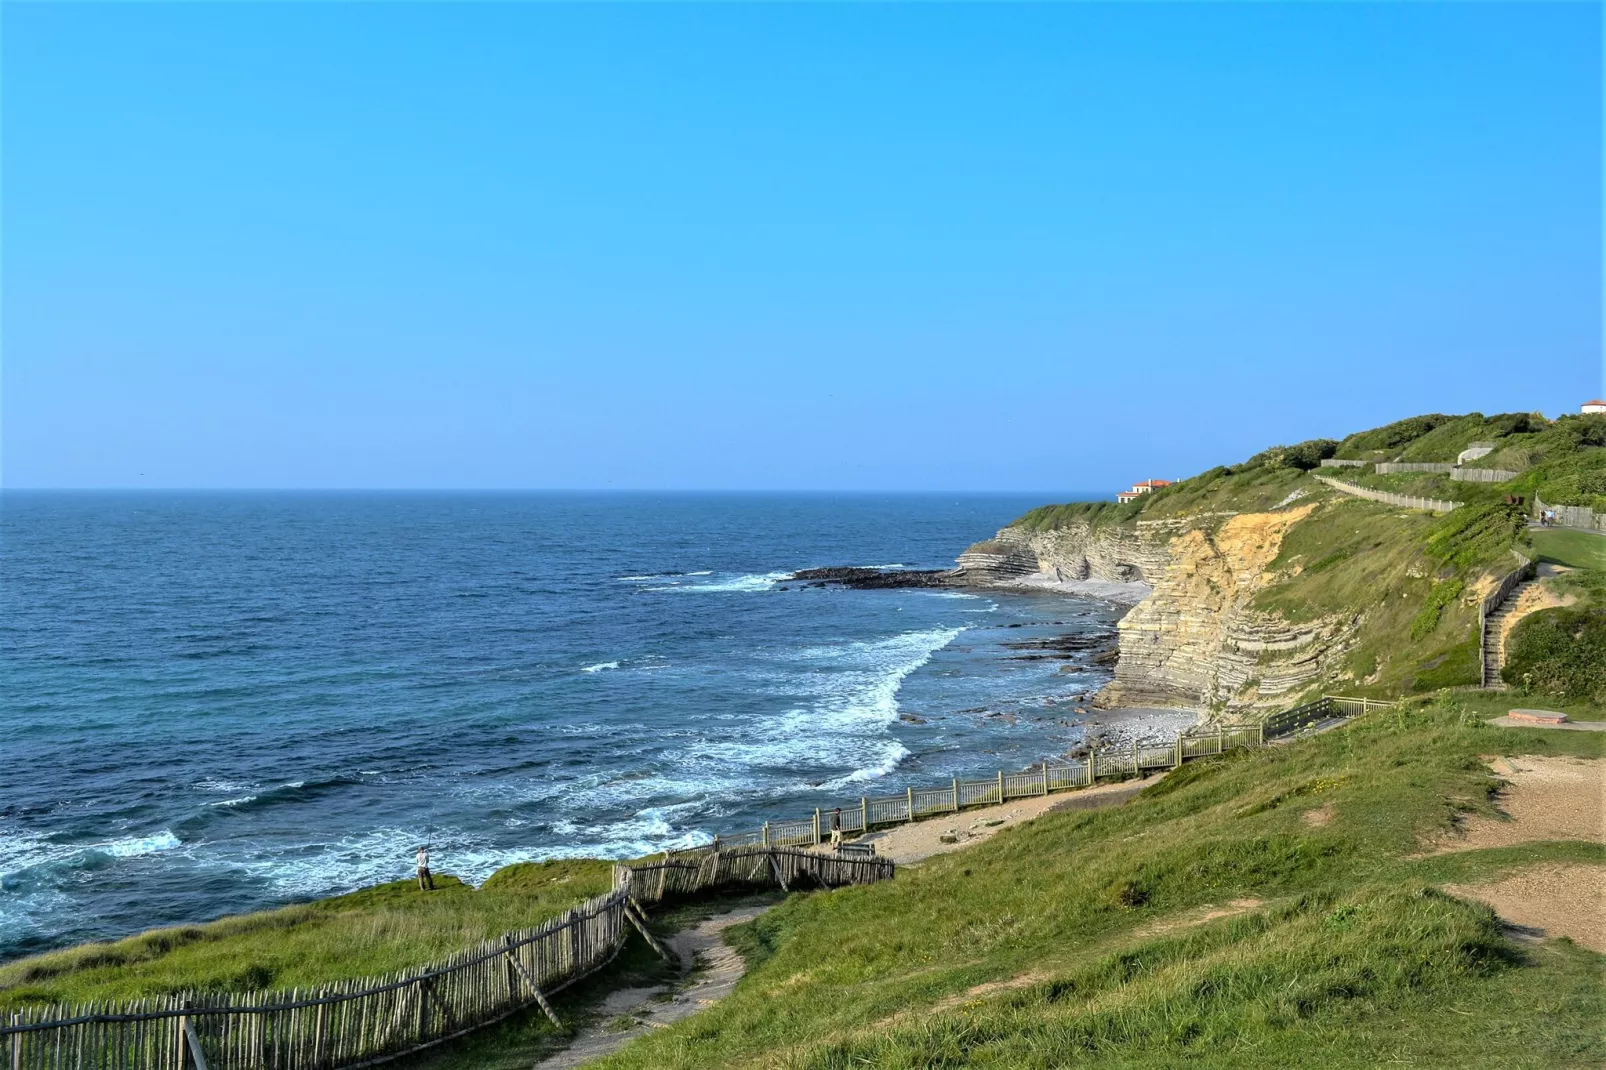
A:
(1194, 642)
(1078, 552)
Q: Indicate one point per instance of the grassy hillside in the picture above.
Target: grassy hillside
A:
(1412, 580)
(366, 933)
(1270, 909)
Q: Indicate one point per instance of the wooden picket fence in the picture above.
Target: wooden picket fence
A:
(359, 1023)
(1404, 501)
(364, 1022)
(1048, 777)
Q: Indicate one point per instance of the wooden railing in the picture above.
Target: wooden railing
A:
(1525, 570)
(358, 1023)
(1406, 501)
(1048, 777)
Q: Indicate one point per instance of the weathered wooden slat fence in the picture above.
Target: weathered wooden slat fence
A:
(1406, 501)
(1050, 776)
(359, 1023)
(1573, 516)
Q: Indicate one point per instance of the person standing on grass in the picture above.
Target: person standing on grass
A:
(426, 883)
(836, 827)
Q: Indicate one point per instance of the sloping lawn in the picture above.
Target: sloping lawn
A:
(364, 934)
(1579, 549)
(1270, 909)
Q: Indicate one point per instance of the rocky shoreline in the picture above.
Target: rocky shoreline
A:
(1105, 724)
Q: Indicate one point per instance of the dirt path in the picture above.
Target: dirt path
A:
(1557, 899)
(1545, 799)
(710, 968)
(939, 835)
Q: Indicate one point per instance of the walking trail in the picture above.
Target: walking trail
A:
(709, 969)
(1544, 798)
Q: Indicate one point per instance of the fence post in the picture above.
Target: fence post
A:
(1045, 776)
(864, 814)
(816, 826)
(1092, 765)
(1177, 762)
(956, 795)
(1000, 787)
(16, 1044)
(766, 834)
(1261, 727)
(1135, 769)
(910, 796)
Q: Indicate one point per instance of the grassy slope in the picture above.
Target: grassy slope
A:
(1579, 549)
(1411, 578)
(1356, 960)
(364, 934)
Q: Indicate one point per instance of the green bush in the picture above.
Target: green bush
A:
(1303, 456)
(1559, 653)
(1427, 618)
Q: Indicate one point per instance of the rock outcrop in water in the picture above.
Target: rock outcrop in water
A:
(869, 579)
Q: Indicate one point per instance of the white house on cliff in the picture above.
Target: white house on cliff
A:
(1593, 406)
(1148, 486)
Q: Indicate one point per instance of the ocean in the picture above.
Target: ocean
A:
(220, 702)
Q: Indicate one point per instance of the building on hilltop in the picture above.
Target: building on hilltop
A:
(1148, 486)
(1593, 406)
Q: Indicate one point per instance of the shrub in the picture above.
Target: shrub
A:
(1559, 653)
(1303, 456)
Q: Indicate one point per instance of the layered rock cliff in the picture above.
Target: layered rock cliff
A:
(1195, 642)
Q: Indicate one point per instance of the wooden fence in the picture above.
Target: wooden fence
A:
(1406, 501)
(1574, 516)
(1046, 778)
(1439, 467)
(1483, 475)
(1509, 582)
(359, 1023)
(1335, 462)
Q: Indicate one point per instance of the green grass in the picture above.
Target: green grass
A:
(364, 934)
(1578, 549)
(1356, 959)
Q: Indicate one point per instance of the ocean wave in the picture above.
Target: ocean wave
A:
(600, 666)
(139, 846)
(737, 584)
(894, 755)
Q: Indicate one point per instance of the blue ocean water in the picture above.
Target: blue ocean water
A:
(220, 702)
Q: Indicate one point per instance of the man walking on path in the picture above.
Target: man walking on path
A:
(836, 827)
(426, 883)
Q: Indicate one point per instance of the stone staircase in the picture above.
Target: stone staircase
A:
(1494, 634)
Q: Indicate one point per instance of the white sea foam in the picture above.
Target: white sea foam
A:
(600, 666)
(734, 585)
(234, 802)
(138, 846)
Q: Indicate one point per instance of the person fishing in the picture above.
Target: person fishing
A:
(426, 883)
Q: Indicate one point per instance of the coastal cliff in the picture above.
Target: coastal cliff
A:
(1195, 641)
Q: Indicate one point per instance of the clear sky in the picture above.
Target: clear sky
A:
(781, 246)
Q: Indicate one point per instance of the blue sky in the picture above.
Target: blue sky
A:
(825, 246)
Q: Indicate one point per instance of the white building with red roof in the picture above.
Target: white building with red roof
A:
(1593, 406)
(1148, 486)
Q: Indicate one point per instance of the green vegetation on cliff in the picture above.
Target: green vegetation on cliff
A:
(1408, 583)
(1559, 654)
(364, 934)
(1270, 909)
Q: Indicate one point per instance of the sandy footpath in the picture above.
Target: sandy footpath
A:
(922, 839)
(1544, 798)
